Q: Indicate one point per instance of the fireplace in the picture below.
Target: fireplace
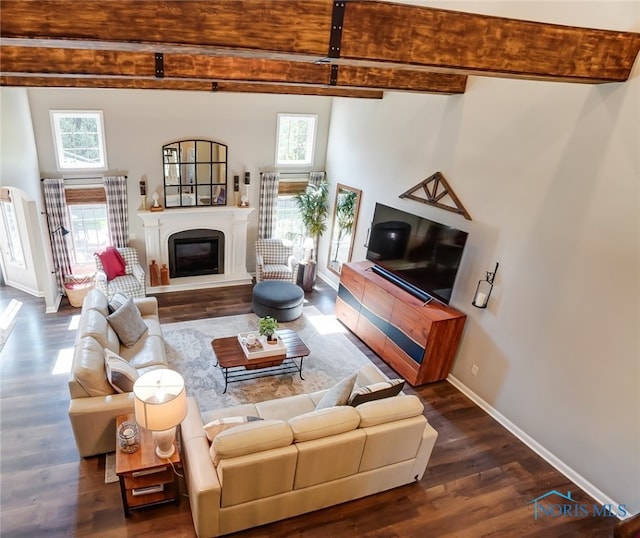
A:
(227, 224)
(196, 252)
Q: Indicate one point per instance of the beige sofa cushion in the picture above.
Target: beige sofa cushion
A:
(213, 428)
(389, 410)
(94, 324)
(324, 422)
(329, 458)
(242, 410)
(88, 368)
(285, 408)
(146, 352)
(249, 438)
(256, 476)
(96, 300)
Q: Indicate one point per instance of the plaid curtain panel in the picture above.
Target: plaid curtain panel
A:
(57, 216)
(116, 190)
(268, 203)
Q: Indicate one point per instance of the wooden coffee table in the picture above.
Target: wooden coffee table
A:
(237, 367)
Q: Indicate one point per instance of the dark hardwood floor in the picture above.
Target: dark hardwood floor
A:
(480, 481)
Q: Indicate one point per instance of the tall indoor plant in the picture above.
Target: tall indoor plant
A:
(314, 208)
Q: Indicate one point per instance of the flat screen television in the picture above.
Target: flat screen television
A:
(418, 254)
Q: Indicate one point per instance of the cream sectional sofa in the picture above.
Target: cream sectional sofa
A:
(297, 459)
(95, 404)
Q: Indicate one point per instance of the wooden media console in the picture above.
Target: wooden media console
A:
(418, 340)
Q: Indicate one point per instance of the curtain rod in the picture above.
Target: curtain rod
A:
(82, 178)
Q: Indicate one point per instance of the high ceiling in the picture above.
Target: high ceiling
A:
(353, 48)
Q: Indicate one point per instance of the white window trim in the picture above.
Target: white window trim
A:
(57, 140)
(289, 164)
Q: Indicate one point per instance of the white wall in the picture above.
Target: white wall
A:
(139, 122)
(550, 173)
(19, 172)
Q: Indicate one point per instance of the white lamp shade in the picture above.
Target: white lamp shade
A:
(160, 400)
(308, 243)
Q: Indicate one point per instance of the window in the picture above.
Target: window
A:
(296, 138)
(87, 208)
(13, 245)
(288, 223)
(89, 232)
(79, 139)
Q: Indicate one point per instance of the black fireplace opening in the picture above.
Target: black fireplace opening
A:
(196, 252)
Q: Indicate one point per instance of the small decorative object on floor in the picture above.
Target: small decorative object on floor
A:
(76, 287)
(128, 438)
(267, 327)
(154, 274)
(164, 275)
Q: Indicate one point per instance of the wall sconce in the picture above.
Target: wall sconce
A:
(143, 194)
(484, 288)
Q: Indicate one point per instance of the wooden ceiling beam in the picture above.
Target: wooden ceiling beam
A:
(56, 81)
(374, 34)
(69, 62)
(456, 42)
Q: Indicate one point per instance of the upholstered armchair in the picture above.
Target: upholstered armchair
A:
(132, 283)
(275, 261)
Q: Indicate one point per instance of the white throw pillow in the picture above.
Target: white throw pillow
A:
(120, 374)
(338, 394)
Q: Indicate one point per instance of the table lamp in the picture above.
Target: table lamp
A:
(160, 405)
(308, 245)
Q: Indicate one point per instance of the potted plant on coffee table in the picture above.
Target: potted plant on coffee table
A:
(267, 327)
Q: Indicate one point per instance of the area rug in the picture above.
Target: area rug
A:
(110, 475)
(188, 344)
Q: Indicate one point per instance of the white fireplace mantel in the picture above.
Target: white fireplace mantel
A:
(231, 221)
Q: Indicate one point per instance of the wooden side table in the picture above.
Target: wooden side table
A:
(306, 277)
(145, 479)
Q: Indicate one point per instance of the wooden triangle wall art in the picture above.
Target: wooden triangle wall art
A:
(437, 192)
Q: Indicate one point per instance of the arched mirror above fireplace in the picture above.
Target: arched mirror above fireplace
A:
(195, 173)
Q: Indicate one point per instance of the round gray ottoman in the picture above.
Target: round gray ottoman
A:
(278, 299)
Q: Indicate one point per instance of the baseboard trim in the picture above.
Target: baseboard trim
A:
(540, 450)
(55, 306)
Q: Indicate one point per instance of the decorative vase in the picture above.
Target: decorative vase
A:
(164, 275)
(128, 438)
(154, 274)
